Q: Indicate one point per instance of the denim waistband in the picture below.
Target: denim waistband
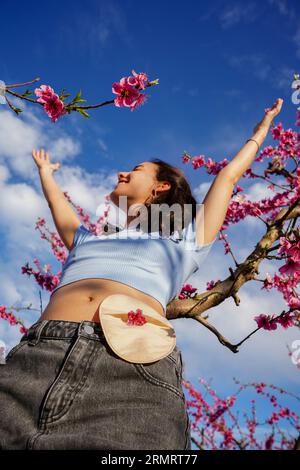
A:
(61, 329)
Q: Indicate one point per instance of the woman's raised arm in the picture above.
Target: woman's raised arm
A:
(217, 199)
(64, 217)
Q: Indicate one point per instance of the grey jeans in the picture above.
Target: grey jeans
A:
(62, 387)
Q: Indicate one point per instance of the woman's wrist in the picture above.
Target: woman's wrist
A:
(44, 171)
(260, 135)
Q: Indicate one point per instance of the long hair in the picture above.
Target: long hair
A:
(180, 193)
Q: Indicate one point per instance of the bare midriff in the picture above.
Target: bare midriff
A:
(80, 300)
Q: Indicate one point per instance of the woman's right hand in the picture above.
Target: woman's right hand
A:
(42, 161)
(269, 115)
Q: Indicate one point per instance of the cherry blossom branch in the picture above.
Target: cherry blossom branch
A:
(24, 83)
(128, 91)
(194, 308)
(216, 424)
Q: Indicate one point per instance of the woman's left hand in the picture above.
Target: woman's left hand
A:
(270, 113)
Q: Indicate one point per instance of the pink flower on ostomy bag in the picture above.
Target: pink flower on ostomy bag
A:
(136, 318)
(53, 105)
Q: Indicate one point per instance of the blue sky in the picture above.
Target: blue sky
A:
(219, 65)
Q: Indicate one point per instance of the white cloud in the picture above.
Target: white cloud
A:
(258, 65)
(4, 173)
(64, 148)
(284, 8)
(258, 191)
(234, 14)
(9, 287)
(102, 144)
(19, 206)
(19, 135)
(255, 63)
(296, 39)
(201, 190)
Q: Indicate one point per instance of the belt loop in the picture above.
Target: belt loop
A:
(79, 328)
(37, 333)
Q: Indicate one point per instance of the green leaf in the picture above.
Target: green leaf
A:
(62, 97)
(83, 112)
(17, 110)
(77, 97)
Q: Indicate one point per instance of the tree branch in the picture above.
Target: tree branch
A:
(229, 287)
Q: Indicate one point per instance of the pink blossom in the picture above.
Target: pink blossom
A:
(260, 387)
(276, 131)
(197, 162)
(294, 302)
(187, 291)
(53, 105)
(286, 320)
(265, 322)
(182, 296)
(128, 95)
(290, 268)
(138, 79)
(185, 158)
(189, 288)
(210, 285)
(294, 251)
(141, 99)
(285, 245)
(136, 318)
(268, 282)
(269, 442)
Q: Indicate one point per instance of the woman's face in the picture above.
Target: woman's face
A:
(138, 184)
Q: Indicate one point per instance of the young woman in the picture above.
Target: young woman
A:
(63, 386)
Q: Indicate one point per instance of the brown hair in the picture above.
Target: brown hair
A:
(179, 193)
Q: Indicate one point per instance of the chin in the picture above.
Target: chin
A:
(116, 193)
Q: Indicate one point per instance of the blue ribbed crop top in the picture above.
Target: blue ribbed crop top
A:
(156, 265)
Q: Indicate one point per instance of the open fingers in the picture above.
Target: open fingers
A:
(40, 154)
(36, 154)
